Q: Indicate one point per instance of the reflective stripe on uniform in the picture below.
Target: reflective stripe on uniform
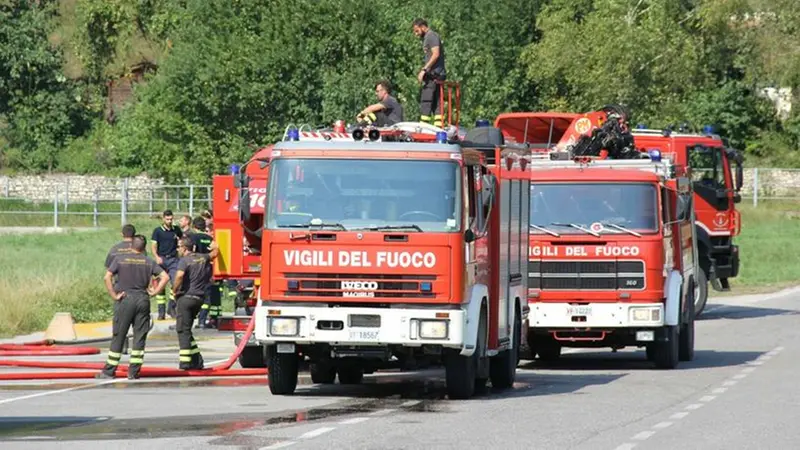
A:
(113, 358)
(137, 356)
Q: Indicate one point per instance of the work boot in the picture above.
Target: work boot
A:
(161, 311)
(185, 365)
(197, 361)
(133, 371)
(104, 375)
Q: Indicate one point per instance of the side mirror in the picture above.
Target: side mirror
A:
(488, 182)
(469, 236)
(737, 198)
(242, 182)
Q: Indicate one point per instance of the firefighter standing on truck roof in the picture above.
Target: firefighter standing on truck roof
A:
(431, 71)
(131, 305)
(193, 280)
(165, 250)
(386, 112)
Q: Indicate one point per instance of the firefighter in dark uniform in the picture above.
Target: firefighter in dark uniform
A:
(192, 280)
(165, 252)
(431, 71)
(212, 306)
(131, 304)
(123, 246)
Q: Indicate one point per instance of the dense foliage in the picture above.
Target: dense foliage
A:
(231, 74)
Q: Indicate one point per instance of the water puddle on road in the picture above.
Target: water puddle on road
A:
(363, 399)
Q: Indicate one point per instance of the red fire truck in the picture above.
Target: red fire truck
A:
(391, 252)
(708, 159)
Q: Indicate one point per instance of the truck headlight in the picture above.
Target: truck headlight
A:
(283, 326)
(650, 314)
(433, 329)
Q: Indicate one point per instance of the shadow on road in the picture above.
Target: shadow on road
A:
(742, 312)
(637, 360)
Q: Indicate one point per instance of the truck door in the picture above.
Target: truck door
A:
(712, 183)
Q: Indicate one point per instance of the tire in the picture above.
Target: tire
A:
(461, 371)
(350, 375)
(650, 351)
(700, 293)
(665, 353)
(548, 349)
(252, 357)
(686, 337)
(503, 368)
(283, 368)
(322, 373)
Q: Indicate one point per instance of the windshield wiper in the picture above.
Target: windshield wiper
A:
(309, 225)
(576, 227)
(412, 226)
(622, 229)
(544, 230)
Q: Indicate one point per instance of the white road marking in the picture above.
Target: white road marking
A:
(382, 412)
(740, 376)
(314, 433)
(411, 403)
(662, 425)
(730, 383)
(694, 406)
(354, 420)
(626, 446)
(707, 398)
(748, 369)
(278, 445)
(679, 415)
(59, 391)
(719, 390)
(644, 435)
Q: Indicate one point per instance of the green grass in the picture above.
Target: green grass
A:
(44, 274)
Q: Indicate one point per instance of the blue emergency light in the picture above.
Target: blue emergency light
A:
(425, 286)
(441, 137)
(708, 129)
(294, 134)
(655, 155)
(234, 169)
(641, 126)
(481, 123)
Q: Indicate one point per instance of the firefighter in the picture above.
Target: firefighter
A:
(131, 304)
(123, 246)
(165, 249)
(192, 279)
(185, 223)
(432, 71)
(201, 242)
(386, 112)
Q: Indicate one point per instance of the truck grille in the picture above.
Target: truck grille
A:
(359, 285)
(586, 275)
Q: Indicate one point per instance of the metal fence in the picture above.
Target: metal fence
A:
(68, 204)
(118, 201)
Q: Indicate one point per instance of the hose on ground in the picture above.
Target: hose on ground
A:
(223, 369)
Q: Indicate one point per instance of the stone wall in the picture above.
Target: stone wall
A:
(76, 188)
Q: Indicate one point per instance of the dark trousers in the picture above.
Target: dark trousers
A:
(187, 309)
(212, 306)
(170, 265)
(429, 102)
(133, 310)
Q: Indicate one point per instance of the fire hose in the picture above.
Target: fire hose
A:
(40, 348)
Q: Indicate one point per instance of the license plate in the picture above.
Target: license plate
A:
(285, 348)
(579, 310)
(364, 335)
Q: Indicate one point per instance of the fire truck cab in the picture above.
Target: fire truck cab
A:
(613, 256)
(391, 252)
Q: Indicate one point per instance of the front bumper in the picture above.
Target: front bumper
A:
(361, 326)
(596, 315)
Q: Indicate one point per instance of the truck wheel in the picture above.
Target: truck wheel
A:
(700, 292)
(252, 357)
(650, 351)
(461, 371)
(322, 373)
(503, 368)
(350, 375)
(548, 349)
(665, 353)
(283, 368)
(686, 338)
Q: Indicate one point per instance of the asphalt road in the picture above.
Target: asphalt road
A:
(739, 392)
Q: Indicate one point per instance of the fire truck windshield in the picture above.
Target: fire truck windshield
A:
(352, 194)
(570, 208)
